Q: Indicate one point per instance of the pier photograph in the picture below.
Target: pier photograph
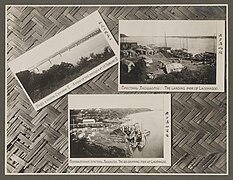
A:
(60, 63)
(169, 52)
(122, 127)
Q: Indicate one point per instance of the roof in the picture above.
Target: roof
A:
(148, 48)
(88, 120)
(144, 56)
(175, 65)
(132, 51)
(148, 60)
(128, 42)
(127, 62)
(140, 49)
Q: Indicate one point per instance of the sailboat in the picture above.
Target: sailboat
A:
(143, 134)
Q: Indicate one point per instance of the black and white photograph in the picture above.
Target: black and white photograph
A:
(116, 89)
(124, 130)
(65, 61)
(155, 53)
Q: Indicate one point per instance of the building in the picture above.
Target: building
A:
(145, 51)
(154, 48)
(165, 48)
(151, 75)
(147, 60)
(149, 50)
(140, 51)
(129, 64)
(128, 45)
(75, 117)
(123, 53)
(132, 53)
(88, 121)
(174, 67)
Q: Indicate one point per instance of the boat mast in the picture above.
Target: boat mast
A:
(165, 39)
(183, 43)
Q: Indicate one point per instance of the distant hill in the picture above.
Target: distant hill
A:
(123, 35)
(195, 37)
(106, 114)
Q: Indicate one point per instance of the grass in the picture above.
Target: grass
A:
(205, 76)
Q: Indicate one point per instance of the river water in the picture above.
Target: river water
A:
(95, 44)
(153, 122)
(194, 45)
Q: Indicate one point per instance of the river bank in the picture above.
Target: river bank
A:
(110, 141)
(150, 121)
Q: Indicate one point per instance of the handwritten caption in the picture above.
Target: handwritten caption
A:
(105, 30)
(220, 44)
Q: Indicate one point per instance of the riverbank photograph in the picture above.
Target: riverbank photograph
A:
(123, 127)
(62, 67)
(64, 61)
(169, 52)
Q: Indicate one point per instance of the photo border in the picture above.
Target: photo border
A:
(81, 79)
(106, 175)
(165, 161)
(221, 62)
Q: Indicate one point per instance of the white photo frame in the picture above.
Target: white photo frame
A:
(103, 141)
(200, 66)
(87, 41)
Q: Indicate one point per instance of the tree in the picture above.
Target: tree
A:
(24, 77)
(107, 49)
(83, 61)
(138, 73)
(39, 85)
(92, 56)
(124, 78)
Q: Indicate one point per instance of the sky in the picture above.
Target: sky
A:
(94, 45)
(152, 101)
(170, 27)
(54, 44)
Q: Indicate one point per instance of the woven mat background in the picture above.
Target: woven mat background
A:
(37, 141)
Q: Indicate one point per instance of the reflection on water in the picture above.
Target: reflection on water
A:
(151, 121)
